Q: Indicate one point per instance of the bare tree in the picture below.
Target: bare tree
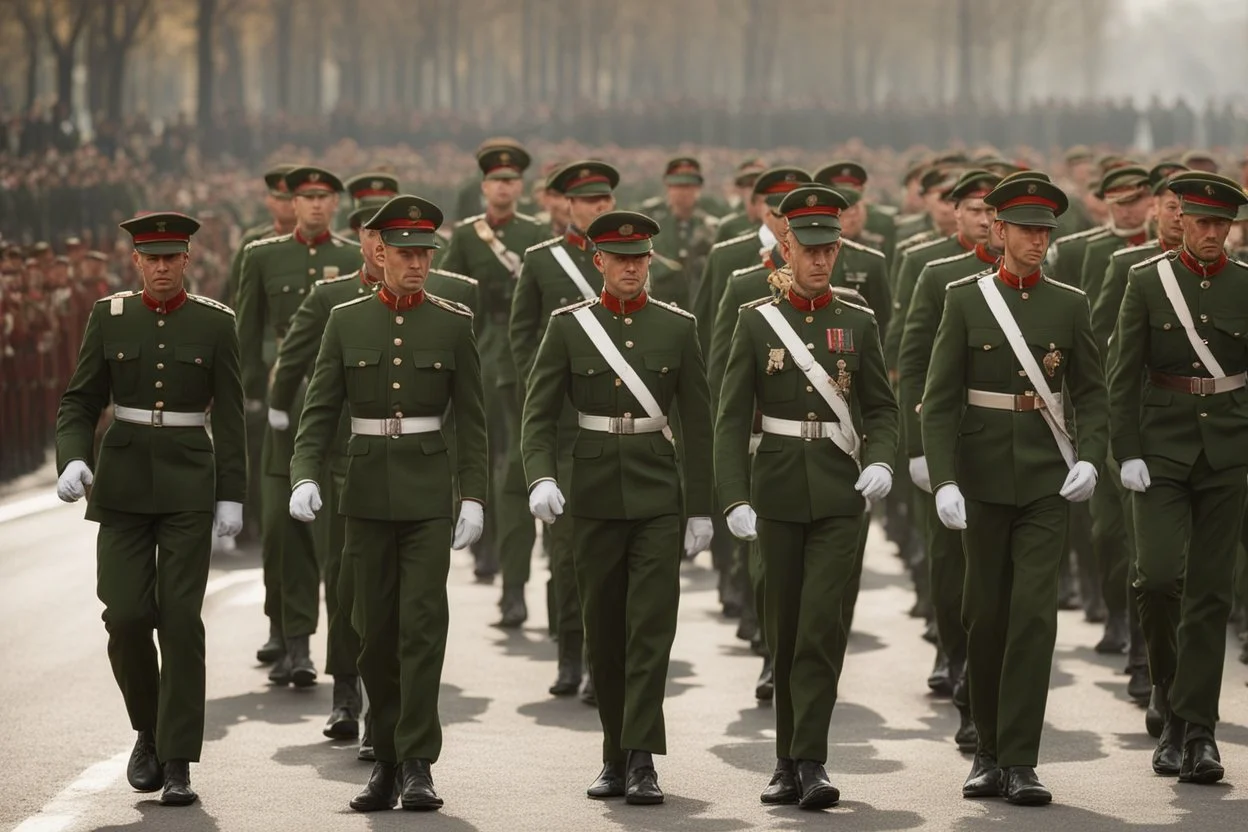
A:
(63, 23)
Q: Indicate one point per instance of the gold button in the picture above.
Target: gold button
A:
(810, 346)
(160, 346)
(1205, 284)
(159, 405)
(300, 291)
(395, 385)
(286, 289)
(837, 311)
(590, 371)
(311, 271)
(1204, 318)
(159, 384)
(1195, 365)
(812, 416)
(628, 321)
(1165, 326)
(160, 322)
(987, 346)
(397, 361)
(663, 371)
(199, 361)
(628, 415)
(562, 301)
(398, 319)
(1204, 415)
(121, 355)
(398, 342)
(1026, 296)
(810, 319)
(1204, 341)
(437, 365)
(1022, 373)
(618, 382)
(311, 250)
(160, 366)
(628, 344)
(809, 389)
(361, 363)
(398, 414)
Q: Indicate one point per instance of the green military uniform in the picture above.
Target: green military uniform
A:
(983, 437)
(912, 263)
(158, 480)
(738, 222)
(491, 251)
(627, 495)
(687, 240)
(277, 274)
(1193, 449)
(367, 190)
(275, 181)
(669, 282)
(396, 363)
(810, 513)
(880, 230)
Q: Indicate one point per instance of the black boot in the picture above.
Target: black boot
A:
(1023, 788)
(274, 648)
(610, 782)
(568, 680)
(1168, 755)
(366, 752)
(1139, 686)
(280, 673)
(1155, 715)
(1067, 589)
(1116, 636)
(765, 687)
(302, 671)
(813, 786)
(144, 771)
(515, 611)
(418, 794)
(782, 790)
(939, 681)
(380, 793)
(929, 633)
(985, 779)
(588, 694)
(1201, 762)
(642, 782)
(178, 791)
(747, 627)
(344, 720)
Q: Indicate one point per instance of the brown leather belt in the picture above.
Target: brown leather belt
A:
(1197, 385)
(1022, 403)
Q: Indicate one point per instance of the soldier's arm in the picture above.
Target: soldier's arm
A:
(250, 318)
(734, 421)
(723, 324)
(451, 258)
(1105, 308)
(229, 431)
(1127, 355)
(878, 296)
(1090, 277)
(236, 274)
(1085, 381)
(87, 394)
(322, 409)
(706, 302)
(547, 391)
(943, 394)
(907, 277)
(299, 348)
(525, 324)
(468, 400)
(919, 330)
(877, 404)
(693, 399)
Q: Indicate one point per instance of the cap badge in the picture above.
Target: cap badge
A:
(845, 172)
(790, 177)
(376, 184)
(314, 176)
(504, 157)
(1031, 189)
(1209, 190)
(413, 213)
(160, 227)
(626, 230)
(584, 172)
(811, 200)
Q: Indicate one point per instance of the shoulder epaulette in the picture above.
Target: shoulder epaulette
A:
(220, 307)
(472, 281)
(966, 281)
(528, 218)
(469, 220)
(1238, 262)
(1065, 286)
(887, 210)
(125, 294)
(544, 244)
(755, 303)
(915, 240)
(1081, 235)
(861, 247)
(341, 241)
(267, 241)
(925, 244)
(734, 240)
(652, 203)
(572, 307)
(673, 308)
(324, 281)
(674, 265)
(900, 218)
(1136, 249)
(1148, 261)
(353, 301)
(859, 307)
(962, 255)
(449, 305)
(746, 270)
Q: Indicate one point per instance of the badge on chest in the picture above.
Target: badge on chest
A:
(841, 340)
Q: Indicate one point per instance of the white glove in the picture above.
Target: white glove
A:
(698, 533)
(951, 507)
(1080, 482)
(469, 525)
(71, 485)
(875, 481)
(228, 518)
(1134, 475)
(919, 474)
(279, 419)
(743, 522)
(305, 501)
(546, 501)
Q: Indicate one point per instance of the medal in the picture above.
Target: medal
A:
(775, 361)
(842, 377)
(1052, 360)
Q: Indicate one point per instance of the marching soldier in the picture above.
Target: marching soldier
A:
(805, 502)
(876, 227)
(169, 362)
(1013, 355)
(625, 488)
(396, 358)
(749, 215)
(368, 190)
(688, 230)
(281, 221)
(1176, 369)
(277, 274)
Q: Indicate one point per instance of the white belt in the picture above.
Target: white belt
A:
(395, 427)
(159, 418)
(799, 428)
(622, 424)
(1008, 401)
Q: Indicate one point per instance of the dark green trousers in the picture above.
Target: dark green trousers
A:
(947, 570)
(274, 496)
(1111, 543)
(400, 572)
(628, 575)
(1186, 535)
(514, 531)
(342, 647)
(569, 627)
(1013, 554)
(850, 602)
(151, 572)
(807, 572)
(298, 560)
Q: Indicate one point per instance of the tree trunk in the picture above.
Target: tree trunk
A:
(32, 72)
(283, 20)
(966, 79)
(205, 73)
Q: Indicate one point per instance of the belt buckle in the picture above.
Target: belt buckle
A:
(393, 427)
(812, 430)
(158, 418)
(1203, 386)
(622, 425)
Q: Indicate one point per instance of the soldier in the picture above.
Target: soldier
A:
(689, 231)
(1081, 173)
(748, 216)
(809, 499)
(625, 485)
(1179, 441)
(876, 227)
(936, 220)
(368, 190)
(281, 210)
(159, 488)
(277, 274)
(554, 274)
(490, 247)
(396, 358)
(995, 429)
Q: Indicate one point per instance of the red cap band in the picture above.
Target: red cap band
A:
(815, 211)
(1204, 200)
(849, 180)
(314, 186)
(587, 180)
(161, 236)
(1029, 200)
(375, 192)
(414, 225)
(783, 187)
(617, 237)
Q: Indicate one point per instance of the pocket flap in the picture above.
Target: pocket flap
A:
(433, 443)
(194, 354)
(196, 440)
(661, 445)
(1168, 322)
(662, 362)
(590, 366)
(433, 359)
(984, 338)
(116, 438)
(1235, 327)
(121, 351)
(1049, 339)
(356, 357)
(587, 448)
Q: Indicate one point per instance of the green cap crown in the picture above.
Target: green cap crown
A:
(585, 178)
(748, 172)
(162, 232)
(308, 178)
(939, 179)
(683, 170)
(974, 184)
(503, 159)
(1208, 194)
(774, 183)
(361, 215)
(1028, 198)
(842, 174)
(372, 188)
(407, 222)
(275, 180)
(1123, 184)
(814, 214)
(622, 232)
(1159, 175)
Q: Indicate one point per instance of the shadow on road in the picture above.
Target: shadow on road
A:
(849, 815)
(566, 712)
(193, 818)
(675, 813)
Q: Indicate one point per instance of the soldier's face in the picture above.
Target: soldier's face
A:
(942, 211)
(371, 249)
(585, 209)
(502, 194)
(776, 222)
(1169, 210)
(281, 210)
(1131, 214)
(314, 209)
(853, 220)
(406, 268)
(162, 273)
(623, 275)
(1205, 237)
(1025, 246)
(1082, 172)
(812, 265)
(913, 202)
(683, 198)
(975, 219)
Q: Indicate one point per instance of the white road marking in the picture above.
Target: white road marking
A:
(18, 509)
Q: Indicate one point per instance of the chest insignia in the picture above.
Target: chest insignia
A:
(1052, 360)
(775, 361)
(843, 377)
(841, 340)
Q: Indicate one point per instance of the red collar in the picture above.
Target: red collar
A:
(319, 239)
(166, 307)
(1202, 269)
(572, 238)
(499, 223)
(1016, 282)
(801, 304)
(622, 307)
(966, 244)
(1138, 239)
(1165, 247)
(985, 254)
(400, 304)
(366, 279)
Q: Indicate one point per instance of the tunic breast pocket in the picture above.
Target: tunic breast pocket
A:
(194, 369)
(363, 373)
(123, 367)
(285, 294)
(1229, 346)
(662, 370)
(1168, 347)
(990, 356)
(779, 378)
(1051, 349)
(840, 367)
(434, 370)
(591, 382)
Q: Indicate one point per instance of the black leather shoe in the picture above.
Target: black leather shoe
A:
(782, 790)
(1023, 788)
(765, 687)
(274, 648)
(1201, 762)
(815, 790)
(984, 779)
(279, 673)
(515, 611)
(610, 782)
(1243, 653)
(302, 671)
(939, 681)
(418, 794)
(380, 792)
(1139, 685)
(967, 735)
(1155, 716)
(1067, 591)
(1168, 755)
(366, 752)
(343, 724)
(588, 694)
(568, 680)
(144, 771)
(642, 783)
(929, 633)
(178, 791)
(1114, 639)
(747, 627)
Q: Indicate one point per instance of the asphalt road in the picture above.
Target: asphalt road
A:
(515, 759)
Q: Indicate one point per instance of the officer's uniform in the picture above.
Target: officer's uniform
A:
(686, 240)
(880, 230)
(367, 190)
